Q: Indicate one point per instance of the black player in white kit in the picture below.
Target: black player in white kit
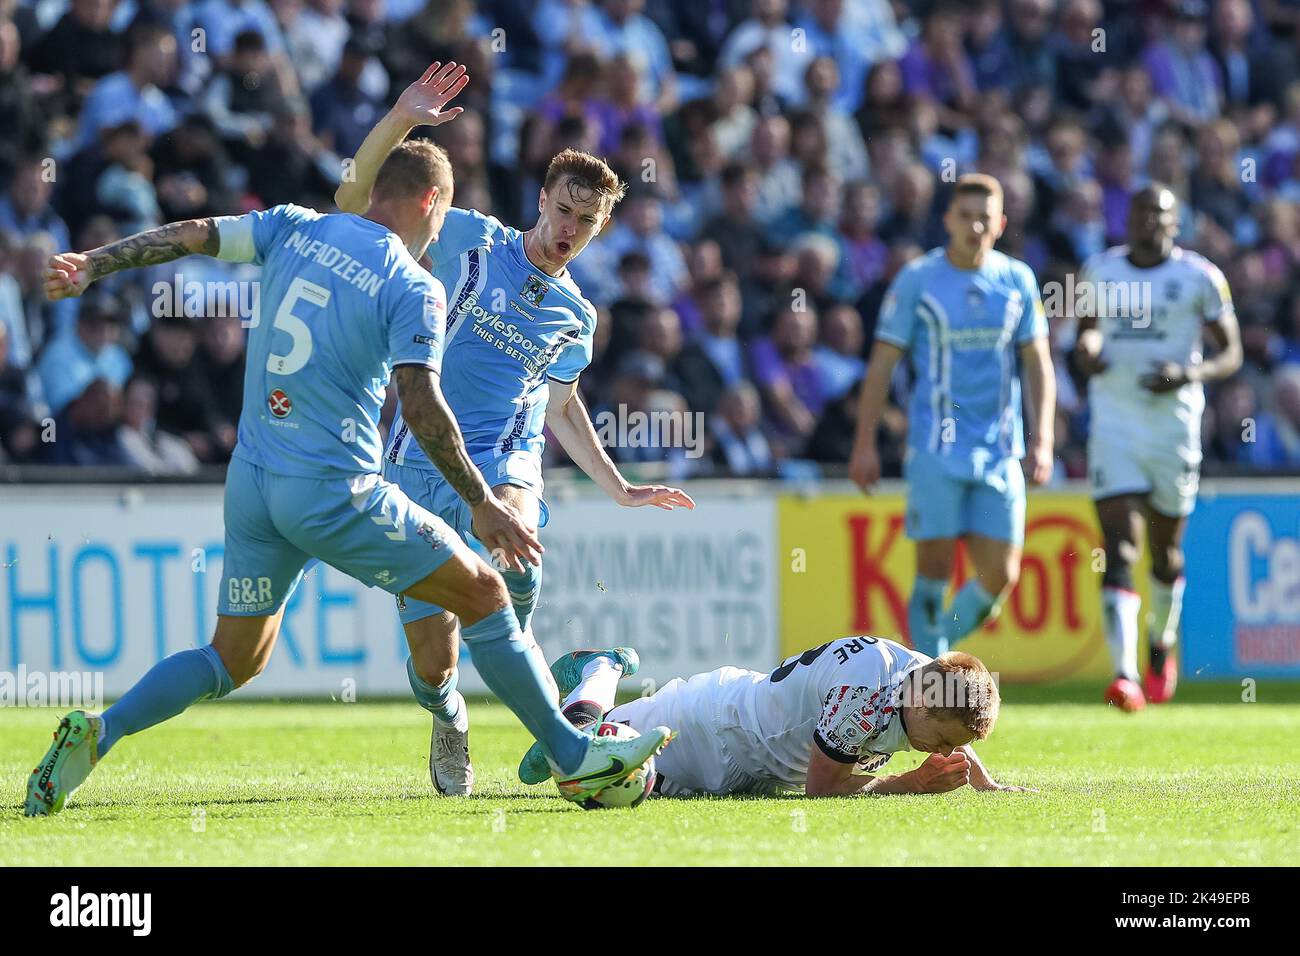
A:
(1153, 304)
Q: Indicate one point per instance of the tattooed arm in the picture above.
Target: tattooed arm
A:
(431, 421)
(70, 274)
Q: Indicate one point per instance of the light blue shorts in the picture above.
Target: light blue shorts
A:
(949, 496)
(428, 487)
(364, 526)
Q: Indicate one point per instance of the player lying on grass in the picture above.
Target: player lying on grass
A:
(1140, 341)
(347, 306)
(819, 723)
(519, 334)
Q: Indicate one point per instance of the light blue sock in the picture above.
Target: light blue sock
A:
(925, 615)
(525, 588)
(517, 674)
(970, 608)
(441, 701)
(166, 690)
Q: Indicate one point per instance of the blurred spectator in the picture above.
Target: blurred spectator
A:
(845, 154)
(343, 112)
(144, 446)
(839, 352)
(715, 360)
(221, 361)
(1182, 71)
(134, 92)
(245, 95)
(624, 29)
(739, 445)
(25, 207)
(90, 352)
(87, 432)
(864, 250)
(17, 416)
(793, 385)
(20, 117)
(854, 35)
(639, 227)
(778, 175)
(80, 48)
(185, 406)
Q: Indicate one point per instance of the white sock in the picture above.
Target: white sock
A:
(1166, 608)
(599, 684)
(1120, 612)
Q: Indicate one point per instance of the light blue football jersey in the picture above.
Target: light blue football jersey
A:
(510, 327)
(963, 329)
(342, 302)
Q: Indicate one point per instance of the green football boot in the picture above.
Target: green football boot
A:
(65, 766)
(567, 671)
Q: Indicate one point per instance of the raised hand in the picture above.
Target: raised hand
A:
(423, 102)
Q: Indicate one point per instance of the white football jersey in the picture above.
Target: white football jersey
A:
(841, 697)
(1150, 316)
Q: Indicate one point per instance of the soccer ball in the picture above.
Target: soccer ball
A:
(629, 791)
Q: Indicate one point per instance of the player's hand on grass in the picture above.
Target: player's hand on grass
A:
(1165, 377)
(661, 496)
(864, 466)
(940, 774)
(1039, 464)
(500, 529)
(67, 275)
(422, 103)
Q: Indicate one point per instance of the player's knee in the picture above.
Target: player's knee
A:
(486, 595)
(242, 668)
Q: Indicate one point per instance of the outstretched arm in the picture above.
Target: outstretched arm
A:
(421, 104)
(434, 426)
(69, 274)
(569, 421)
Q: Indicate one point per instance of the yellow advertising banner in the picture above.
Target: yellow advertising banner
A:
(847, 568)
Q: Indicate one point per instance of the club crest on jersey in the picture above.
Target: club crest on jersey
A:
(533, 291)
(279, 403)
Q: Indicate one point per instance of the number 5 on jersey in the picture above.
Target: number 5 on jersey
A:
(286, 321)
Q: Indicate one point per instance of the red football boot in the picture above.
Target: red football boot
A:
(1126, 695)
(1161, 679)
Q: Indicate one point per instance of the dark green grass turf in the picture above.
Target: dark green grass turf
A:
(1209, 781)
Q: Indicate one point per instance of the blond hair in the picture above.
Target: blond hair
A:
(412, 169)
(957, 686)
(587, 176)
(978, 184)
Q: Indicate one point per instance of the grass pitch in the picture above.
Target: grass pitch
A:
(1209, 780)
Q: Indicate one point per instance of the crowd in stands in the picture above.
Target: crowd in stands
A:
(785, 159)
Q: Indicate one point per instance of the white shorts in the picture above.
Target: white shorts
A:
(1160, 460)
(697, 761)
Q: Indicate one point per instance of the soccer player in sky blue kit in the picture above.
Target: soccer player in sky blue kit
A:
(344, 306)
(972, 322)
(519, 334)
